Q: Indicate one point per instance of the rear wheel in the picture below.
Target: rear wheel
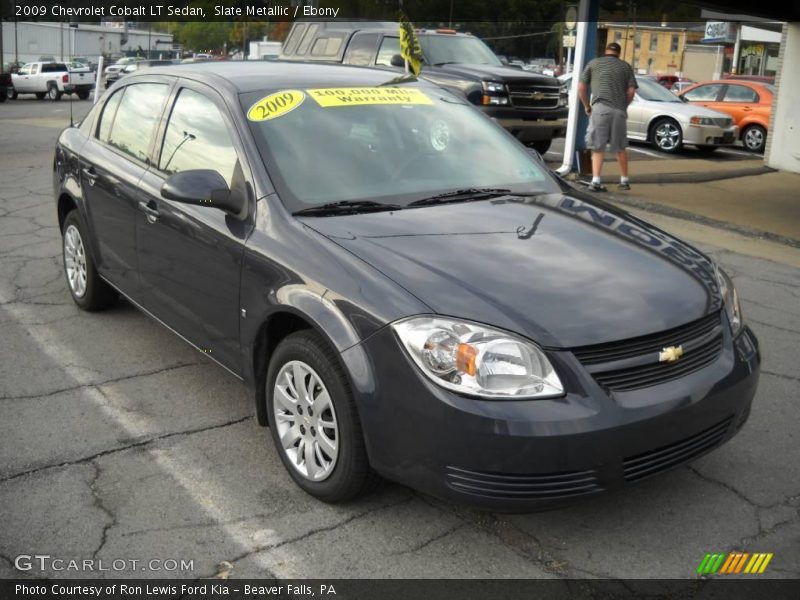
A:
(667, 135)
(87, 289)
(53, 93)
(313, 420)
(754, 138)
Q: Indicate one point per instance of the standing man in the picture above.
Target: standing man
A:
(613, 86)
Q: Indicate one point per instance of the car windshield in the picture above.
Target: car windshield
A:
(444, 49)
(391, 145)
(650, 89)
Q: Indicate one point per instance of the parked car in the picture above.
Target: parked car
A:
(119, 65)
(358, 248)
(749, 103)
(112, 78)
(668, 81)
(530, 107)
(51, 80)
(658, 116)
(679, 86)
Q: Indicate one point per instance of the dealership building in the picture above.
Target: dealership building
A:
(26, 41)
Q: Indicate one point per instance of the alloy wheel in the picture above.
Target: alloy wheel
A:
(306, 421)
(754, 138)
(667, 136)
(75, 261)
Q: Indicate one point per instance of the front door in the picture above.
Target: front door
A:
(190, 257)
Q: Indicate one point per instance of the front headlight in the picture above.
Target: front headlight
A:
(478, 360)
(701, 121)
(731, 300)
(494, 87)
(563, 99)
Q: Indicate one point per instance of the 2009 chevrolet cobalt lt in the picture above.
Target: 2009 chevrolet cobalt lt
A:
(408, 289)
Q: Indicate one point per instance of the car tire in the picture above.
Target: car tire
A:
(53, 93)
(85, 286)
(541, 146)
(11, 93)
(754, 138)
(41, 95)
(83, 95)
(338, 469)
(666, 135)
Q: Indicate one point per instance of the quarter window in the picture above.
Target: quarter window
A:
(389, 47)
(361, 49)
(137, 116)
(197, 138)
(739, 93)
(704, 92)
(107, 118)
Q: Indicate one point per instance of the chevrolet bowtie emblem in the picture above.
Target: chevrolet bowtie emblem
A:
(670, 354)
(537, 95)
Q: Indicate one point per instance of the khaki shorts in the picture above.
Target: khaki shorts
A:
(607, 126)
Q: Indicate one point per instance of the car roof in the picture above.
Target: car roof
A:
(251, 76)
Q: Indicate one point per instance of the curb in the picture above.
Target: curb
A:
(699, 177)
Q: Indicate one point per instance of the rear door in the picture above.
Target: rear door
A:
(190, 257)
(739, 101)
(113, 162)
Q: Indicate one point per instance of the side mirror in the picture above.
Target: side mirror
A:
(203, 187)
(398, 61)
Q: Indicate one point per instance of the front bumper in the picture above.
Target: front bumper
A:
(78, 88)
(532, 454)
(530, 125)
(710, 135)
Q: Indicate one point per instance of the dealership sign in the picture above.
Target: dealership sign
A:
(719, 31)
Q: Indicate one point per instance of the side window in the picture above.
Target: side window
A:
(739, 93)
(307, 39)
(137, 117)
(328, 46)
(25, 70)
(107, 117)
(389, 47)
(197, 138)
(704, 92)
(361, 49)
(294, 38)
(35, 69)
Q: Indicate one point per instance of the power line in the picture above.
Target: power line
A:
(521, 35)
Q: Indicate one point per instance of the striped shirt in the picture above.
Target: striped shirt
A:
(609, 78)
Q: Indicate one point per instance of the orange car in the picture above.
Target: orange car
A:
(748, 102)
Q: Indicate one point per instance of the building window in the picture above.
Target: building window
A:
(653, 42)
(673, 47)
(618, 36)
(638, 40)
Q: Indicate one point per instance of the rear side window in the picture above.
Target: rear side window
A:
(294, 38)
(361, 49)
(107, 118)
(389, 47)
(328, 46)
(197, 138)
(137, 117)
(704, 92)
(740, 93)
(307, 39)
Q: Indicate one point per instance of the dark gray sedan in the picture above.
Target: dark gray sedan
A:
(408, 290)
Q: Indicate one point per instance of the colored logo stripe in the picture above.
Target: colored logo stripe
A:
(733, 563)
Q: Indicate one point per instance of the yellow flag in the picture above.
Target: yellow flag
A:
(409, 45)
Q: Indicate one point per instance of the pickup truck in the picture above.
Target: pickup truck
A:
(51, 80)
(530, 106)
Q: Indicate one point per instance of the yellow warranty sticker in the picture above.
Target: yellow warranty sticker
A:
(330, 97)
(275, 105)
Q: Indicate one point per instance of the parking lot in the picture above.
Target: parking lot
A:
(119, 441)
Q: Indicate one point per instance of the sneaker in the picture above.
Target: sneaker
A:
(597, 187)
(624, 185)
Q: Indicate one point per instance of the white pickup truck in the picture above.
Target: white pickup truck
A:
(51, 80)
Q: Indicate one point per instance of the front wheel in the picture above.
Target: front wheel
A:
(313, 420)
(754, 138)
(87, 289)
(53, 93)
(667, 136)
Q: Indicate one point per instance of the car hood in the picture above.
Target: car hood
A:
(498, 73)
(556, 268)
(682, 109)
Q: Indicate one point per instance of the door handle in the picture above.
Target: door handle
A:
(90, 175)
(150, 212)
(747, 109)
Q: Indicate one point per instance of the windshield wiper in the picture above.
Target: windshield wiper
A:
(462, 196)
(346, 206)
(447, 62)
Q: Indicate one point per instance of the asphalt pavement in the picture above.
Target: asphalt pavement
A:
(120, 442)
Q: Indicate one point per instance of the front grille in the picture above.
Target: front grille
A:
(536, 96)
(675, 454)
(646, 344)
(541, 487)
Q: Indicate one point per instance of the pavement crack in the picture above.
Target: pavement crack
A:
(137, 444)
(727, 486)
(780, 375)
(430, 541)
(95, 384)
(98, 503)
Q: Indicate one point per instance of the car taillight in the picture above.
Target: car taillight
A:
(65, 78)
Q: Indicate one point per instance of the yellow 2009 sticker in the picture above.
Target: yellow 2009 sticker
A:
(330, 97)
(275, 105)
